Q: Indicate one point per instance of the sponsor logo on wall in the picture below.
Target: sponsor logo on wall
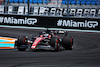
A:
(37, 21)
(71, 23)
(12, 20)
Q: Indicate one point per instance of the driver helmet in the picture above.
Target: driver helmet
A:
(45, 35)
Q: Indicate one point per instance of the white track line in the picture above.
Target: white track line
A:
(24, 27)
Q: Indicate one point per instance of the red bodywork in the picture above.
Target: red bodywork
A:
(37, 40)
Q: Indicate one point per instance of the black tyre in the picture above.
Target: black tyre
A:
(67, 43)
(54, 43)
(20, 42)
(21, 49)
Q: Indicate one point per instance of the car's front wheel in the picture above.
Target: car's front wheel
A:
(21, 43)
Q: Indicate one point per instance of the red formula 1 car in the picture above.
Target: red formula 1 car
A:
(46, 41)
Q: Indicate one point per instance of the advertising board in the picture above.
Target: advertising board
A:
(58, 22)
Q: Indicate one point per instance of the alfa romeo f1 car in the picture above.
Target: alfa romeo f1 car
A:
(46, 40)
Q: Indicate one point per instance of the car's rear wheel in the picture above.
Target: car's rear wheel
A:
(67, 43)
(21, 44)
(55, 43)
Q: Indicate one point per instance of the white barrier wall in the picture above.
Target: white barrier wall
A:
(46, 11)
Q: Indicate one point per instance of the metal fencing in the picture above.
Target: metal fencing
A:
(52, 8)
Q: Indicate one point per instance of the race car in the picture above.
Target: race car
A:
(46, 40)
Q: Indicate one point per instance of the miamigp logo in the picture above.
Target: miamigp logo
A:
(12, 20)
(71, 23)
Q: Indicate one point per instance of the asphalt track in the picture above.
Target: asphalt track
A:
(86, 52)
